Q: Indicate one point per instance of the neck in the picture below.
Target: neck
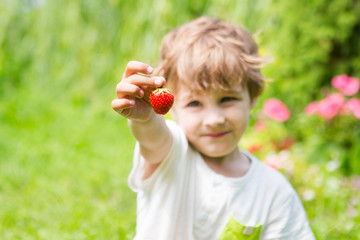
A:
(235, 164)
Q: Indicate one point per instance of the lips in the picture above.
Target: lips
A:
(217, 135)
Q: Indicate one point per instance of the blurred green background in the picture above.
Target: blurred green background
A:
(65, 155)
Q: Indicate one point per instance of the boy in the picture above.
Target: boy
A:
(192, 180)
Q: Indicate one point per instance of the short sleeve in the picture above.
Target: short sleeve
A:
(164, 199)
(135, 179)
(288, 220)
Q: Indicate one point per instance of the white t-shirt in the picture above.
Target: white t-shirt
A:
(184, 200)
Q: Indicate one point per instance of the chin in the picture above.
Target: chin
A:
(217, 153)
(215, 150)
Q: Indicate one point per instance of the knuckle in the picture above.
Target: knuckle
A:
(114, 105)
(118, 105)
(132, 79)
(135, 65)
(131, 63)
(118, 87)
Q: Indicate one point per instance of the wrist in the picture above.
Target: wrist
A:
(145, 121)
(149, 133)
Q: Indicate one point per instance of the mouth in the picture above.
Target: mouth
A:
(217, 135)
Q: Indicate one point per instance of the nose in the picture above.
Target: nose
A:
(214, 117)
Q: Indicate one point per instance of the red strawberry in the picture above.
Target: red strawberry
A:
(161, 99)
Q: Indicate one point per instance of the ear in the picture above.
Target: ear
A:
(253, 102)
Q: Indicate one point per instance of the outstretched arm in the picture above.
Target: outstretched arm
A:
(147, 127)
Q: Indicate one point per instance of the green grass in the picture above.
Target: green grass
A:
(63, 171)
(65, 155)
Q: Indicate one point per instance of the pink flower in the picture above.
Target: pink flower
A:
(254, 147)
(353, 105)
(276, 110)
(279, 160)
(330, 106)
(347, 85)
(272, 160)
(312, 108)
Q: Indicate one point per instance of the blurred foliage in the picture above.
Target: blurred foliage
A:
(311, 42)
(65, 155)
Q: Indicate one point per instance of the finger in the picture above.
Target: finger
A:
(124, 89)
(134, 67)
(121, 104)
(141, 80)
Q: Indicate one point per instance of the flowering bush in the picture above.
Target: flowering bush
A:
(347, 85)
(353, 105)
(275, 109)
(318, 150)
(335, 103)
(335, 125)
(328, 107)
(327, 131)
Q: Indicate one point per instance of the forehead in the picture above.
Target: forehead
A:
(186, 92)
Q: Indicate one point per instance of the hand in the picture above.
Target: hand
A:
(134, 90)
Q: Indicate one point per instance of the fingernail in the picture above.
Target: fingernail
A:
(131, 101)
(149, 69)
(160, 81)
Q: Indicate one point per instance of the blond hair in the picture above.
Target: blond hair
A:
(207, 54)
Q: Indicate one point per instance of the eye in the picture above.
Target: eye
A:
(228, 99)
(194, 104)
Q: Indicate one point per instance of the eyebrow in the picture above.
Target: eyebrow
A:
(239, 91)
(192, 94)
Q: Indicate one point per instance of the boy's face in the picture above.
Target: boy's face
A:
(213, 120)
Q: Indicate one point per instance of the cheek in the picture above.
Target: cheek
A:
(239, 120)
(239, 115)
(187, 124)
